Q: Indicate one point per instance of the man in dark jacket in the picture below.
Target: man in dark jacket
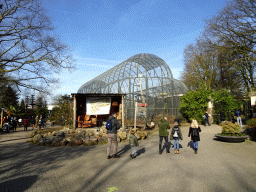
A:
(112, 135)
(206, 116)
(163, 133)
(222, 116)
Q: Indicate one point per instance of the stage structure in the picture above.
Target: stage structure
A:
(146, 80)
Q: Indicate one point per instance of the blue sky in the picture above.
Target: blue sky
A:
(103, 33)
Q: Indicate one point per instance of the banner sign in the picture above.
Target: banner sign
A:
(98, 105)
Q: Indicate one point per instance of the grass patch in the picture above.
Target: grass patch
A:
(232, 134)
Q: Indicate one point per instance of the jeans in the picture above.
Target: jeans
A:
(195, 144)
(112, 138)
(133, 150)
(206, 120)
(166, 143)
(239, 121)
(176, 144)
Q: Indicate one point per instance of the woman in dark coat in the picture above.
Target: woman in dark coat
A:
(194, 133)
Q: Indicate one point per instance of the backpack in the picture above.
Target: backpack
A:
(204, 117)
(176, 132)
(194, 132)
(109, 125)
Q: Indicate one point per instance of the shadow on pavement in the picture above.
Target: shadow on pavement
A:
(139, 152)
(19, 184)
(13, 139)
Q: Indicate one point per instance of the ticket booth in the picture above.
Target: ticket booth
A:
(92, 109)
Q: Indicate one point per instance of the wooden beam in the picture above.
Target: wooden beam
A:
(74, 115)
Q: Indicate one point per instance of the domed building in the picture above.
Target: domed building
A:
(146, 79)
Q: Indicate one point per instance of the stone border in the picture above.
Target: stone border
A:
(232, 139)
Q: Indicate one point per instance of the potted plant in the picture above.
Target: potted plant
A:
(231, 133)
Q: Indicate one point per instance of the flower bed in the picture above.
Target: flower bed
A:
(231, 133)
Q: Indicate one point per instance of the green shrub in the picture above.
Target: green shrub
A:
(229, 128)
(251, 122)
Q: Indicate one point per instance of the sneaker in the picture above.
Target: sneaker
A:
(134, 156)
(131, 156)
(160, 152)
(178, 152)
(108, 157)
(167, 151)
(116, 156)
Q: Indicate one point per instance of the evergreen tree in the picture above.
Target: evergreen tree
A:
(9, 98)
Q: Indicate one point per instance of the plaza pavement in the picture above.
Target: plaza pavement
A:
(218, 166)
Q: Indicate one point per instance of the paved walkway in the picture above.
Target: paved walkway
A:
(218, 166)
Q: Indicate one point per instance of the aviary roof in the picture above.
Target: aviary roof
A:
(144, 70)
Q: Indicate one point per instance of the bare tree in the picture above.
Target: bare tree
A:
(235, 25)
(209, 65)
(29, 53)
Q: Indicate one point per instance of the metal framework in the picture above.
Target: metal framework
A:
(145, 78)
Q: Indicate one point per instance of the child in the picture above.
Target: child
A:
(176, 135)
(133, 143)
(194, 132)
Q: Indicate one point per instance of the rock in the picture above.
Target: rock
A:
(36, 138)
(97, 134)
(56, 141)
(93, 140)
(89, 133)
(41, 141)
(122, 135)
(76, 141)
(32, 134)
(102, 140)
(63, 142)
(137, 135)
(68, 139)
(86, 140)
(60, 134)
(142, 134)
(81, 133)
(49, 139)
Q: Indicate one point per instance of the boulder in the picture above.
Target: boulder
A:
(60, 134)
(122, 135)
(63, 142)
(137, 135)
(86, 140)
(142, 134)
(41, 141)
(32, 134)
(102, 140)
(93, 140)
(56, 141)
(36, 138)
(81, 133)
(76, 141)
(49, 139)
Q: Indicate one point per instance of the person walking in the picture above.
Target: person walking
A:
(112, 135)
(222, 116)
(206, 116)
(194, 133)
(40, 121)
(133, 141)
(238, 117)
(163, 133)
(175, 136)
(37, 120)
(25, 122)
(32, 122)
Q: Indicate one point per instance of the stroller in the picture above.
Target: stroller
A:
(9, 126)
